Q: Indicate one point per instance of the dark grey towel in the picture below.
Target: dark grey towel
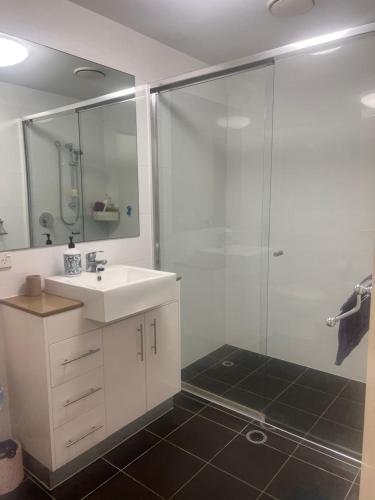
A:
(355, 327)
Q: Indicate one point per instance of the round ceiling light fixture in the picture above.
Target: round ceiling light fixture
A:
(289, 8)
(368, 100)
(11, 52)
(89, 73)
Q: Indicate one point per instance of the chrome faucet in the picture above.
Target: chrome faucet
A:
(92, 264)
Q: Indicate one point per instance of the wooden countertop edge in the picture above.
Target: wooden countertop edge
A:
(74, 304)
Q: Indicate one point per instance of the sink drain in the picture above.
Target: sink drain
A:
(256, 437)
(227, 363)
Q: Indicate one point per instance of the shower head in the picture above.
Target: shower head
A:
(58, 144)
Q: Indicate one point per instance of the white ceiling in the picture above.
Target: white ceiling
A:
(216, 31)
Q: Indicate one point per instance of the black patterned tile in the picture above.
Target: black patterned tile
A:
(212, 484)
(339, 437)
(290, 418)
(27, 490)
(354, 391)
(223, 351)
(249, 360)
(169, 422)
(130, 449)
(201, 437)
(324, 461)
(120, 487)
(306, 399)
(259, 383)
(189, 402)
(228, 374)
(322, 381)
(275, 440)
(353, 493)
(164, 468)
(346, 412)
(224, 418)
(85, 481)
(197, 367)
(209, 384)
(282, 369)
(252, 463)
(300, 481)
(246, 398)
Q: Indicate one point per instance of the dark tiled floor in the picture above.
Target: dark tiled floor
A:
(327, 408)
(204, 457)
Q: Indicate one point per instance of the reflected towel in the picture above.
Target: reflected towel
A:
(355, 327)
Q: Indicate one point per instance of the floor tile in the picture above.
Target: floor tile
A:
(197, 367)
(355, 391)
(273, 439)
(228, 374)
(259, 383)
(249, 360)
(306, 399)
(27, 490)
(291, 418)
(223, 351)
(201, 437)
(322, 381)
(338, 436)
(212, 484)
(187, 402)
(120, 487)
(130, 449)
(209, 384)
(164, 468)
(247, 398)
(282, 369)
(253, 463)
(354, 493)
(85, 481)
(346, 412)
(169, 422)
(300, 481)
(223, 418)
(324, 461)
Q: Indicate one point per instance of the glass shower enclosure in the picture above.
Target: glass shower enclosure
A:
(266, 209)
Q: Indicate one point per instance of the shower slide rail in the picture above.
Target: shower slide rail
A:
(360, 290)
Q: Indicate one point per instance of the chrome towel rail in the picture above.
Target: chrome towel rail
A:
(360, 290)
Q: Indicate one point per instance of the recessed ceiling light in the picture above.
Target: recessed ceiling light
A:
(287, 8)
(89, 73)
(368, 100)
(327, 51)
(235, 122)
(11, 52)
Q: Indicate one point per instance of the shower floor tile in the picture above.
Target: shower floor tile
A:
(206, 457)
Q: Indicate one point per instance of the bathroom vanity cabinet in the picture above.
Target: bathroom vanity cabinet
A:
(74, 382)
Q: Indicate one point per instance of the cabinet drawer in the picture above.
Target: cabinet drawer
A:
(79, 435)
(77, 396)
(75, 356)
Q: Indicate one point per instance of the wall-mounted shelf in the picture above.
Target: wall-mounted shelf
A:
(106, 216)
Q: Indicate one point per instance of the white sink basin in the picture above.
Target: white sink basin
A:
(122, 291)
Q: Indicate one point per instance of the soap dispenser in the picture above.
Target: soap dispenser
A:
(72, 259)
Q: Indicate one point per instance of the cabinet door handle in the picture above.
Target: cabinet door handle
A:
(80, 356)
(93, 390)
(93, 429)
(140, 330)
(154, 347)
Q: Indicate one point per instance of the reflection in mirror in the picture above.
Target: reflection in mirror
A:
(69, 158)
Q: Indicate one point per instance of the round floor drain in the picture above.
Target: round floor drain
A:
(227, 363)
(256, 437)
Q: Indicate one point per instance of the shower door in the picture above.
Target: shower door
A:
(214, 141)
(322, 235)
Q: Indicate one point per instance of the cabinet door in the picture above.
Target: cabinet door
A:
(124, 372)
(162, 353)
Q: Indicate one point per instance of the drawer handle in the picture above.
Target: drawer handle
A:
(93, 390)
(154, 347)
(140, 331)
(84, 355)
(93, 429)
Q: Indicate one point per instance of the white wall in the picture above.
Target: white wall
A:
(68, 27)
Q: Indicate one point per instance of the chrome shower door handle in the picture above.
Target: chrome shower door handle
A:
(278, 253)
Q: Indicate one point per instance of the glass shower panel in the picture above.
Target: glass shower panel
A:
(322, 234)
(54, 164)
(214, 164)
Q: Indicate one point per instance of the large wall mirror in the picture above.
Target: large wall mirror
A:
(68, 142)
